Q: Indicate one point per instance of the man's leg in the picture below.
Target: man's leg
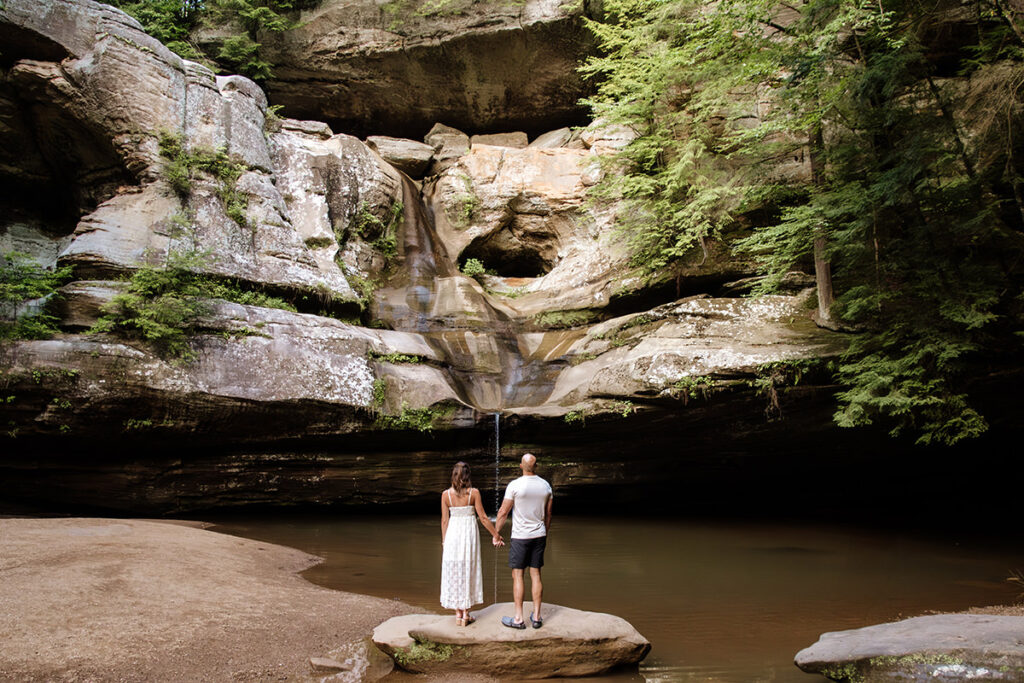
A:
(537, 588)
(518, 591)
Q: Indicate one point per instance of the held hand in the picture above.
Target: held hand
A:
(497, 541)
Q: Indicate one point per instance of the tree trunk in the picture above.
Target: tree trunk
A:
(822, 267)
(823, 277)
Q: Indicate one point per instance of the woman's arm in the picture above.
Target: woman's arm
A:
(444, 517)
(482, 516)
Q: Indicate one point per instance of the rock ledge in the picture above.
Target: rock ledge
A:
(571, 643)
(943, 647)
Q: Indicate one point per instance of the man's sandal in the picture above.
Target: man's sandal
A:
(537, 623)
(512, 623)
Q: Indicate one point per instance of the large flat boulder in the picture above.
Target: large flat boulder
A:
(941, 647)
(571, 643)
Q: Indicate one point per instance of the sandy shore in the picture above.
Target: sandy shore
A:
(128, 600)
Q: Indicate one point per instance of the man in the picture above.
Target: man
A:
(529, 499)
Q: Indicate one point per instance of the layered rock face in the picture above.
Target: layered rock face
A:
(394, 68)
(99, 121)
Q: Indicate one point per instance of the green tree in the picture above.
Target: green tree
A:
(912, 202)
(243, 52)
(173, 23)
(170, 22)
(22, 279)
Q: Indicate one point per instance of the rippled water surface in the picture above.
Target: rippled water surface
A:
(730, 603)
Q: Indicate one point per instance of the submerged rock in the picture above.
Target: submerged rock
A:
(942, 647)
(570, 643)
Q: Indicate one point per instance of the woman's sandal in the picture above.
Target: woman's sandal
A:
(460, 622)
(468, 621)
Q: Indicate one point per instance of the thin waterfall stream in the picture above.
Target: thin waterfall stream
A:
(497, 491)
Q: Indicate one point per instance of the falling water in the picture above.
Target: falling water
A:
(497, 490)
(491, 363)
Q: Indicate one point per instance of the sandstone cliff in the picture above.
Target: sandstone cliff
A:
(562, 337)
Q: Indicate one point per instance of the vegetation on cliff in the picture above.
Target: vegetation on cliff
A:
(906, 121)
(173, 22)
(23, 280)
(164, 305)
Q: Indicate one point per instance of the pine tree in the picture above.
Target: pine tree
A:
(912, 210)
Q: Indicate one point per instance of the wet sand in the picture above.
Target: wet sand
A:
(129, 600)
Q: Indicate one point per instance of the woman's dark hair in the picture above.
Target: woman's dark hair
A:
(460, 477)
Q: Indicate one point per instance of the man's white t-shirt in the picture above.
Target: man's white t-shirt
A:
(529, 496)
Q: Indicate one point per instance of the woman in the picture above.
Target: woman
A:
(462, 582)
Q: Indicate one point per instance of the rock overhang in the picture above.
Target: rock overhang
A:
(482, 67)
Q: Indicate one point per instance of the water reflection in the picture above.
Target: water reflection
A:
(730, 603)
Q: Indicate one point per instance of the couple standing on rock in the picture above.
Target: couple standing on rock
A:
(528, 498)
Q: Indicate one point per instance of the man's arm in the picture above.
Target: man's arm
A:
(547, 514)
(506, 508)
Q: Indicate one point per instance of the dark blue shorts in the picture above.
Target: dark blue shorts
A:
(527, 552)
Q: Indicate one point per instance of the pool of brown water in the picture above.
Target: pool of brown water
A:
(723, 602)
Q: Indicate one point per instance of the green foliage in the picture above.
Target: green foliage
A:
(382, 235)
(394, 357)
(173, 22)
(320, 242)
(424, 650)
(183, 166)
(582, 357)
(466, 202)
(170, 22)
(22, 279)
(243, 52)
(272, 119)
(420, 419)
(624, 408)
(164, 304)
(565, 319)
(161, 305)
(380, 393)
(923, 230)
(233, 291)
(576, 416)
(473, 267)
(693, 387)
(362, 286)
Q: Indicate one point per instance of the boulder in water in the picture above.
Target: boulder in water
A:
(941, 647)
(570, 643)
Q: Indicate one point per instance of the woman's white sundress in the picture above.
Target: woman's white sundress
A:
(462, 578)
